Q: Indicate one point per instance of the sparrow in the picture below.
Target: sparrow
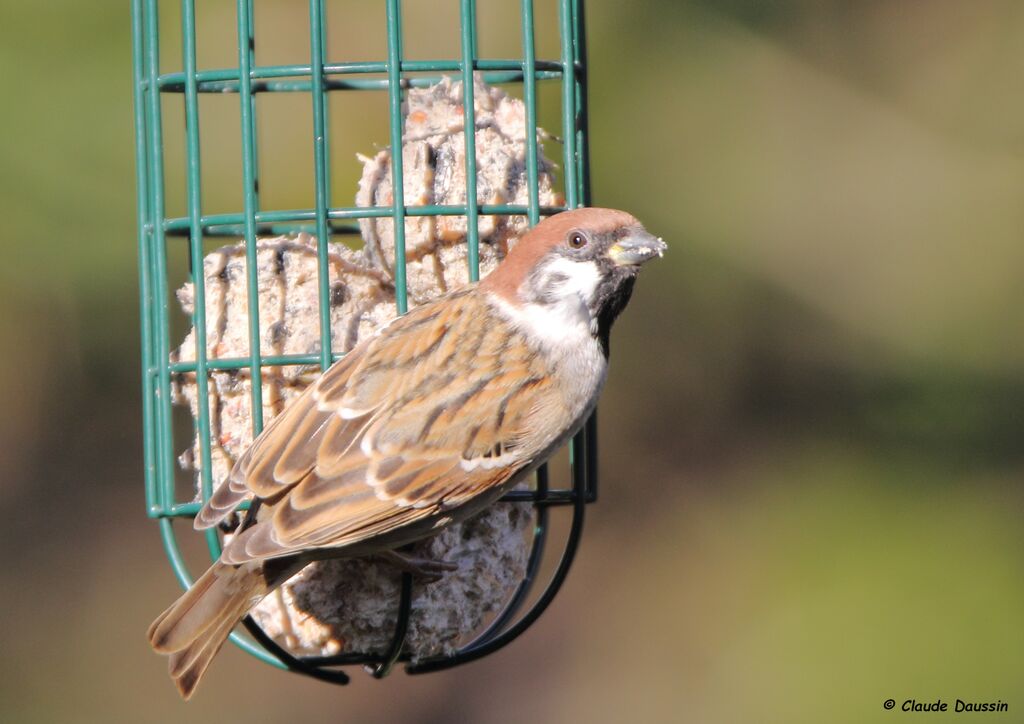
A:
(422, 424)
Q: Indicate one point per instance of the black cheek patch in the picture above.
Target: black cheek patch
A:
(547, 291)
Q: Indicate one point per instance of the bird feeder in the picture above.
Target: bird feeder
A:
(162, 237)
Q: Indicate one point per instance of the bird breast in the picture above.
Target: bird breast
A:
(572, 355)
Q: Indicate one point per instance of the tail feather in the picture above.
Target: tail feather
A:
(195, 626)
(187, 666)
(186, 618)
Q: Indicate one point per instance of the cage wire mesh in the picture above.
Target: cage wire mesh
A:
(159, 235)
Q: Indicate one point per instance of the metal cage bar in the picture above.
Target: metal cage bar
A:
(212, 221)
(195, 255)
(468, 65)
(157, 249)
(320, 78)
(227, 80)
(321, 174)
(144, 213)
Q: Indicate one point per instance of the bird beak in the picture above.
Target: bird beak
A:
(635, 249)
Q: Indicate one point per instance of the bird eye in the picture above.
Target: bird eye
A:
(577, 240)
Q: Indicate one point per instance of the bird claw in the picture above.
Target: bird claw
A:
(429, 569)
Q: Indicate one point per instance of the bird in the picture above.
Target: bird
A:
(422, 424)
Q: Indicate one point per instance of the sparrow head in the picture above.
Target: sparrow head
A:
(579, 265)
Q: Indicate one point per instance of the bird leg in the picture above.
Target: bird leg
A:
(430, 569)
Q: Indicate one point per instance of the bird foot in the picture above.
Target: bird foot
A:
(429, 569)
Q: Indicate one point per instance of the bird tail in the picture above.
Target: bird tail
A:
(195, 626)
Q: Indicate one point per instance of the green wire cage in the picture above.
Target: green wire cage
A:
(160, 237)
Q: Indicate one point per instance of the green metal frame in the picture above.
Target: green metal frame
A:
(156, 232)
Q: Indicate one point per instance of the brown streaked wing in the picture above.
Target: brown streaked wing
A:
(254, 471)
(286, 450)
(331, 457)
(354, 518)
(382, 492)
(419, 439)
(411, 349)
(306, 431)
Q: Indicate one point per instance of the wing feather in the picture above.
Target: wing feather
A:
(421, 418)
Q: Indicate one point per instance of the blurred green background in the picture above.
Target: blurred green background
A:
(811, 437)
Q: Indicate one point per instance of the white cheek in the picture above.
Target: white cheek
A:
(581, 277)
(563, 319)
